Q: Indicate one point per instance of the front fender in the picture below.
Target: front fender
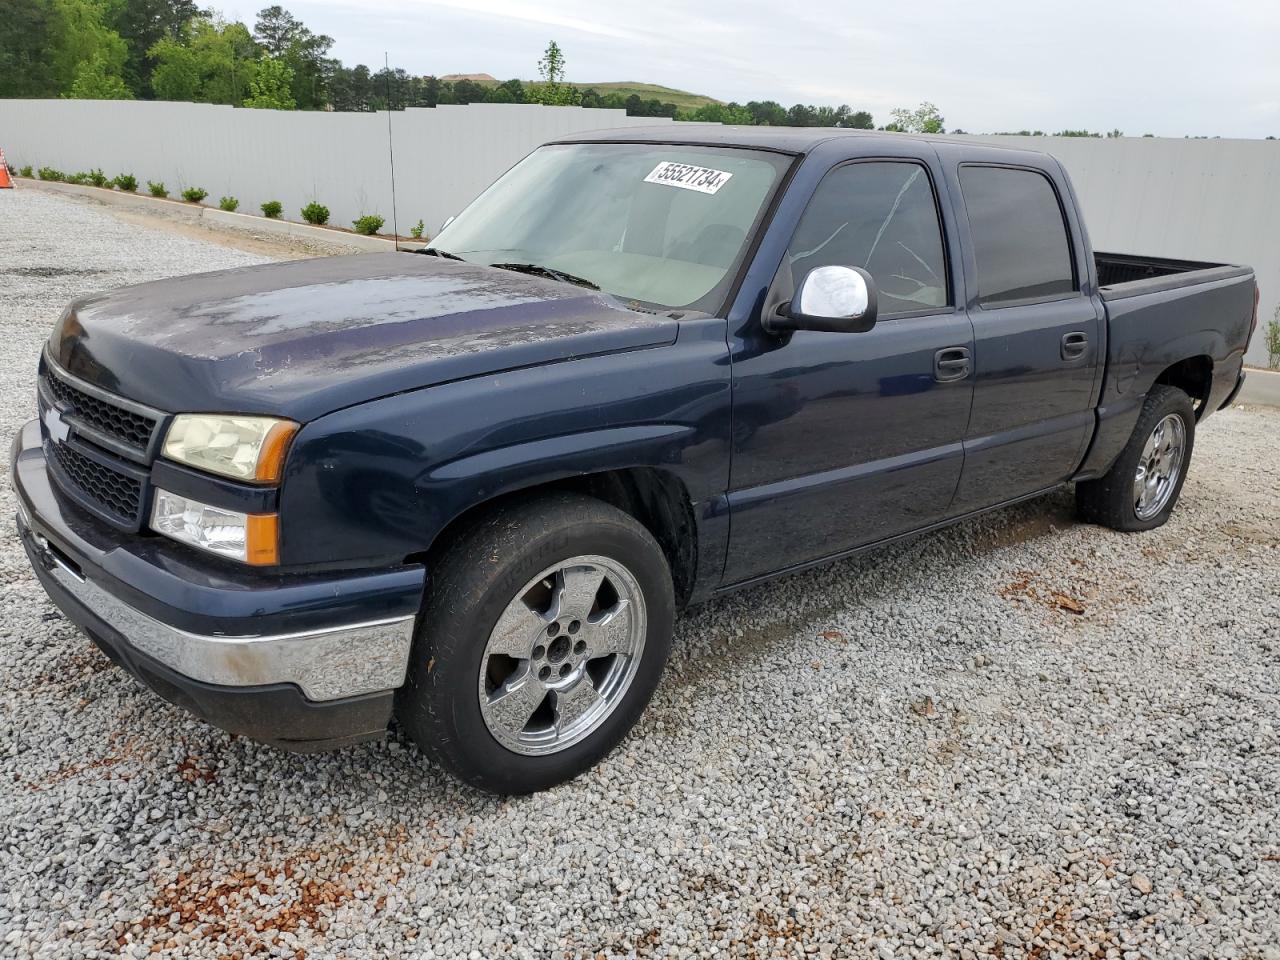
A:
(377, 482)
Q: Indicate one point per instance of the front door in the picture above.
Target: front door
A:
(843, 439)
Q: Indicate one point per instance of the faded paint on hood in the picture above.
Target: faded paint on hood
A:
(304, 338)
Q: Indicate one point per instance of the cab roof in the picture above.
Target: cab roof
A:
(785, 139)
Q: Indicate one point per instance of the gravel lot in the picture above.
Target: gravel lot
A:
(1018, 738)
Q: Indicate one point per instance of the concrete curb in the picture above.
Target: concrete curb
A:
(1261, 387)
(212, 216)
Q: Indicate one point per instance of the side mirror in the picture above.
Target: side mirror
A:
(833, 299)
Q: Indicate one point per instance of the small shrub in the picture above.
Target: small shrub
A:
(1273, 341)
(315, 213)
(228, 204)
(194, 194)
(51, 173)
(126, 182)
(368, 224)
(416, 230)
(98, 178)
(79, 179)
(157, 189)
(272, 209)
(25, 171)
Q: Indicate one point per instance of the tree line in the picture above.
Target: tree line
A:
(162, 50)
(175, 50)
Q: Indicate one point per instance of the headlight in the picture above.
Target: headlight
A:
(242, 448)
(248, 537)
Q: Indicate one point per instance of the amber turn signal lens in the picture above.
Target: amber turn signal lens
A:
(262, 539)
(274, 447)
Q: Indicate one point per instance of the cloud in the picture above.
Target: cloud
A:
(1205, 68)
(538, 13)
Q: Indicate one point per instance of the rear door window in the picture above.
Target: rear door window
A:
(1020, 238)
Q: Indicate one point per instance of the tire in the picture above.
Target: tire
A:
(1112, 500)
(510, 610)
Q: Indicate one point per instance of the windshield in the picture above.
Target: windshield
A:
(662, 225)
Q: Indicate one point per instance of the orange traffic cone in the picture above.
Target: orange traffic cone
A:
(5, 179)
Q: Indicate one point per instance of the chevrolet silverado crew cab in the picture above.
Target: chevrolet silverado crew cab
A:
(469, 487)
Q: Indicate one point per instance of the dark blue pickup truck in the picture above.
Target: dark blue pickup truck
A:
(469, 487)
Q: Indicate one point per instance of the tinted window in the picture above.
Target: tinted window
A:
(1019, 236)
(881, 217)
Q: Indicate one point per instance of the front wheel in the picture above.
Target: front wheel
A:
(1142, 487)
(544, 635)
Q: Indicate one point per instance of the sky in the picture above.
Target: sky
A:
(1170, 68)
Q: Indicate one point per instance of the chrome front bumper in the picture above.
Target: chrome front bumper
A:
(329, 664)
(326, 665)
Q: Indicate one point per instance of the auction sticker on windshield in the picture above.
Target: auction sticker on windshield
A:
(703, 179)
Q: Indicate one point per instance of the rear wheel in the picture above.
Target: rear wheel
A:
(1142, 487)
(544, 634)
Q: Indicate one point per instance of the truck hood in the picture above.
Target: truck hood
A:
(302, 339)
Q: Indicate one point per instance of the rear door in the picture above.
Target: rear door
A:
(1037, 333)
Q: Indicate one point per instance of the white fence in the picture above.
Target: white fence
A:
(1194, 199)
(444, 156)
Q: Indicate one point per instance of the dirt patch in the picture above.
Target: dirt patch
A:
(127, 750)
(1042, 517)
(247, 911)
(191, 906)
(194, 770)
(1029, 587)
(1268, 534)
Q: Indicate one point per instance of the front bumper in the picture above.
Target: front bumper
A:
(303, 661)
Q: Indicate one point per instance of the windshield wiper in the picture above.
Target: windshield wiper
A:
(540, 271)
(435, 252)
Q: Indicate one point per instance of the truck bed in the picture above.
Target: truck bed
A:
(1162, 312)
(1123, 275)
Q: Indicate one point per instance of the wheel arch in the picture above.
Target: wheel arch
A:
(657, 498)
(1193, 376)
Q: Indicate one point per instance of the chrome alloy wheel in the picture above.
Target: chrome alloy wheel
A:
(1159, 467)
(562, 655)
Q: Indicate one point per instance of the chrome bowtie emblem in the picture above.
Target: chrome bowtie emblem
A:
(56, 426)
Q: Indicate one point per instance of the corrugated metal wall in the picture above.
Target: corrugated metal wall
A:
(444, 156)
(1193, 199)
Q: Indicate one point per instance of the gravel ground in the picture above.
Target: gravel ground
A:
(1021, 737)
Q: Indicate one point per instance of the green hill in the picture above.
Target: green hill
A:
(650, 91)
(645, 91)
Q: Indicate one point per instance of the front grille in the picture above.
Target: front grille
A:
(132, 429)
(114, 493)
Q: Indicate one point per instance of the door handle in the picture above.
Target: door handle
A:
(1074, 345)
(951, 363)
